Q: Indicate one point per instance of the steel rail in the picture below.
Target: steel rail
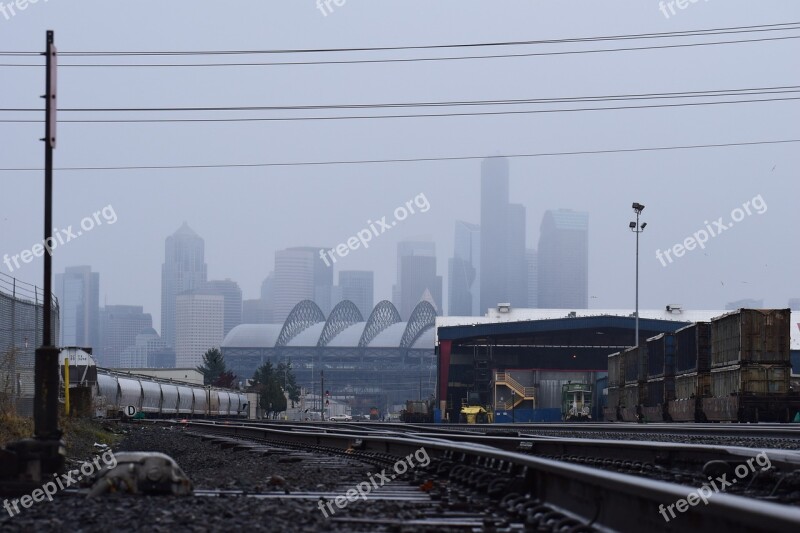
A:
(603, 499)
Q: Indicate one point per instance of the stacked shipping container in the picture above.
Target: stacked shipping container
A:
(749, 358)
(660, 376)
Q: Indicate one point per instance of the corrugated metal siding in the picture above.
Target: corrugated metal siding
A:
(661, 355)
(693, 348)
(749, 379)
(751, 335)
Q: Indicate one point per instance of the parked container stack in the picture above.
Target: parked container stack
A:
(634, 395)
(660, 377)
(692, 372)
(616, 383)
(750, 364)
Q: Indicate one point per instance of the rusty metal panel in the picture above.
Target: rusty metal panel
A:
(693, 348)
(661, 355)
(751, 335)
(721, 409)
(615, 367)
(750, 379)
(635, 361)
(682, 410)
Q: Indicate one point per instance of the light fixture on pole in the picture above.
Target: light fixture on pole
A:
(637, 228)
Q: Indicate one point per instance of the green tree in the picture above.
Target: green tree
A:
(213, 366)
(286, 377)
(267, 382)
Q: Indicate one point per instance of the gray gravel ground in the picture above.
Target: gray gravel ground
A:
(209, 467)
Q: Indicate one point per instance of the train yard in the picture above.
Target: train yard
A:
(403, 477)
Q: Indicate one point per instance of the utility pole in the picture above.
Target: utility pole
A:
(637, 228)
(322, 393)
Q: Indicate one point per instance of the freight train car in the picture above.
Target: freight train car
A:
(735, 368)
(158, 398)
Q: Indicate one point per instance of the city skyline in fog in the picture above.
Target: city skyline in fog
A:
(247, 213)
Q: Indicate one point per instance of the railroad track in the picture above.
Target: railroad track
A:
(513, 489)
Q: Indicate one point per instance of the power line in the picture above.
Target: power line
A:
(410, 160)
(405, 60)
(757, 91)
(417, 115)
(686, 33)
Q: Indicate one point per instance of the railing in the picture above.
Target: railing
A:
(525, 393)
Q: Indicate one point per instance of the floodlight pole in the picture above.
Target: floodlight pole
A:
(637, 229)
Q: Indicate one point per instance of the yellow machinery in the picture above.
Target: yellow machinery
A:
(475, 414)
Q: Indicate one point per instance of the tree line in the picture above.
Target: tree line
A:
(270, 382)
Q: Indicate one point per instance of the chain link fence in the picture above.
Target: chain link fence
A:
(21, 315)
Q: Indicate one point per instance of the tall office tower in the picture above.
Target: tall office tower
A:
(494, 233)
(794, 304)
(300, 274)
(464, 271)
(746, 303)
(148, 351)
(564, 260)
(253, 312)
(184, 269)
(532, 260)
(199, 326)
(517, 280)
(417, 279)
(78, 293)
(358, 287)
(268, 298)
(119, 326)
(232, 294)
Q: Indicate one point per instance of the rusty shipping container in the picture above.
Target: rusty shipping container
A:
(615, 368)
(693, 348)
(635, 361)
(754, 379)
(751, 336)
(692, 385)
(661, 355)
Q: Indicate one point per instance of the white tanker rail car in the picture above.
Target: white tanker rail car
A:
(159, 398)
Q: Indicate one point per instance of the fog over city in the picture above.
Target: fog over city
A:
(246, 212)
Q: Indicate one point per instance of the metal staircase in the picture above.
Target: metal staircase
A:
(521, 393)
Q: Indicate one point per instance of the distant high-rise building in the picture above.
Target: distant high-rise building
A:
(564, 260)
(300, 274)
(184, 269)
(358, 287)
(746, 303)
(494, 232)
(148, 351)
(517, 278)
(268, 298)
(253, 312)
(232, 294)
(119, 326)
(532, 260)
(199, 324)
(464, 271)
(794, 304)
(417, 276)
(78, 293)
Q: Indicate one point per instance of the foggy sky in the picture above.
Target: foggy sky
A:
(246, 214)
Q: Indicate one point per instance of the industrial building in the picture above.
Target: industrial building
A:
(518, 359)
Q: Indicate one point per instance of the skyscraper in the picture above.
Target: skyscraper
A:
(464, 271)
(358, 287)
(199, 321)
(564, 260)
(232, 295)
(517, 277)
(119, 326)
(494, 228)
(532, 260)
(184, 269)
(416, 277)
(300, 274)
(78, 293)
